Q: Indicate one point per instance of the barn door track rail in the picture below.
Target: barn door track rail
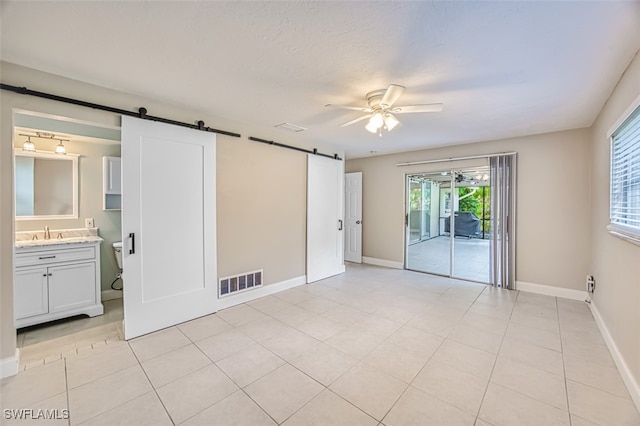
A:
(295, 148)
(142, 112)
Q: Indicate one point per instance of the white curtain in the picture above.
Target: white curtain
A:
(503, 218)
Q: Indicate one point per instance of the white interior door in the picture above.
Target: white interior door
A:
(325, 217)
(168, 225)
(353, 217)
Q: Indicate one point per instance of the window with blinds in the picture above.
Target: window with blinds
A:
(625, 178)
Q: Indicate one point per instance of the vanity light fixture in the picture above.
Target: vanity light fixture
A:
(60, 149)
(28, 145)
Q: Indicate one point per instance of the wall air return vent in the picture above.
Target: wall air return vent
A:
(238, 283)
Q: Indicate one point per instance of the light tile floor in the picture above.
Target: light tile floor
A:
(470, 257)
(48, 342)
(373, 346)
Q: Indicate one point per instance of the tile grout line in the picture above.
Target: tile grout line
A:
(66, 387)
(429, 359)
(240, 388)
(155, 391)
(564, 368)
(508, 320)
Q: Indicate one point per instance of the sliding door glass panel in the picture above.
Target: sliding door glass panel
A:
(471, 200)
(425, 215)
(415, 211)
(429, 250)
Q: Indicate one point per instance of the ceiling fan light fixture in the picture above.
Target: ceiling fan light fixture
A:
(390, 122)
(380, 108)
(371, 127)
(377, 120)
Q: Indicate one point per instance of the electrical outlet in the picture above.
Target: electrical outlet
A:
(88, 223)
(591, 284)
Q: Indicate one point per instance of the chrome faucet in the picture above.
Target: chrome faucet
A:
(47, 234)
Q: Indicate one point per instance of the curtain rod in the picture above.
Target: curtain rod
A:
(314, 151)
(443, 160)
(142, 112)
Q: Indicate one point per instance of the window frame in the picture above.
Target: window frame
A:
(627, 233)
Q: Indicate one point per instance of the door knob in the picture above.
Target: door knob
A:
(358, 222)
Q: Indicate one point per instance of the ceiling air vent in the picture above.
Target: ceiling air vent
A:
(290, 127)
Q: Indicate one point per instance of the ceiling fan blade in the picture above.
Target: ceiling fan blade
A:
(418, 108)
(354, 108)
(391, 95)
(348, 123)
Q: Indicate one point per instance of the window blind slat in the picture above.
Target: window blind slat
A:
(624, 206)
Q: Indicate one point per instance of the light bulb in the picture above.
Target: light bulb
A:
(60, 149)
(377, 120)
(390, 122)
(28, 145)
(371, 127)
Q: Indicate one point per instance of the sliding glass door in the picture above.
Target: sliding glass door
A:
(448, 221)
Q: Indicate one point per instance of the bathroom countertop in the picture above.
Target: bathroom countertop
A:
(58, 241)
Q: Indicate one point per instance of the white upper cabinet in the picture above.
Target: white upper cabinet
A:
(111, 183)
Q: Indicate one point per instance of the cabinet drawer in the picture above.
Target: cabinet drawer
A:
(46, 257)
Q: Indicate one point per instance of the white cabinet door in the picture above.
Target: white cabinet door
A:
(71, 286)
(325, 217)
(112, 180)
(168, 225)
(30, 292)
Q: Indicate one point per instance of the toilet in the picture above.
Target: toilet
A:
(117, 250)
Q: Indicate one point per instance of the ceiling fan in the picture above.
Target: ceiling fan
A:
(380, 110)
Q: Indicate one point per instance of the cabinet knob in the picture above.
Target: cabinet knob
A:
(50, 274)
(44, 275)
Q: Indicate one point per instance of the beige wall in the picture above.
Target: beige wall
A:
(89, 200)
(615, 263)
(553, 200)
(261, 210)
(261, 189)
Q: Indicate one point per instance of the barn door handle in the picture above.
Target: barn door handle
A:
(339, 225)
(132, 250)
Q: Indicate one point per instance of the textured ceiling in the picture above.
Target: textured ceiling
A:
(502, 69)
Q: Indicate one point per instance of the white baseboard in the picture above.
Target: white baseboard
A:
(266, 290)
(632, 384)
(111, 294)
(9, 366)
(382, 262)
(548, 290)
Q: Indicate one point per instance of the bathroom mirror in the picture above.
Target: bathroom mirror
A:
(46, 185)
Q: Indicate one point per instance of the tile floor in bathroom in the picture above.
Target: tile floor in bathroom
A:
(373, 346)
(48, 342)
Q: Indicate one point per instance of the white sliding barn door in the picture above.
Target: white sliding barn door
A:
(168, 225)
(353, 217)
(325, 217)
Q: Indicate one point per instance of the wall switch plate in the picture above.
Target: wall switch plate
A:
(88, 223)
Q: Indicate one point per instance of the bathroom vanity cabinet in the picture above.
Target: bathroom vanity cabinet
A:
(56, 281)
